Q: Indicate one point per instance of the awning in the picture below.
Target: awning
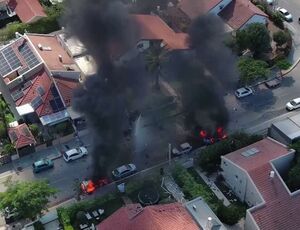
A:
(55, 118)
(25, 109)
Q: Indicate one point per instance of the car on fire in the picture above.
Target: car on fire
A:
(89, 186)
(124, 171)
(75, 153)
(182, 149)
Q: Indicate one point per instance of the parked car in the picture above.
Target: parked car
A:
(273, 83)
(75, 153)
(42, 165)
(293, 104)
(285, 14)
(182, 149)
(124, 171)
(243, 92)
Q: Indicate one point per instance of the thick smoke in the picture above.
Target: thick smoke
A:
(206, 73)
(105, 29)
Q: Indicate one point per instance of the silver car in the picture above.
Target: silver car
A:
(74, 154)
(293, 104)
(124, 171)
(286, 15)
(243, 92)
(183, 149)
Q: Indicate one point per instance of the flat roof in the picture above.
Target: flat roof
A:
(289, 126)
(200, 212)
(86, 64)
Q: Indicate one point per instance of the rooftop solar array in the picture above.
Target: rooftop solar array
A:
(10, 59)
(36, 102)
(56, 103)
(28, 55)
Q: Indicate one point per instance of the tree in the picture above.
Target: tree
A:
(254, 37)
(283, 63)
(28, 198)
(229, 215)
(8, 149)
(280, 37)
(3, 133)
(34, 129)
(155, 57)
(294, 177)
(251, 70)
(277, 18)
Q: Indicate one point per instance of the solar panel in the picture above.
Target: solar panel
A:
(27, 84)
(40, 90)
(11, 58)
(17, 95)
(54, 91)
(36, 102)
(4, 66)
(28, 55)
(56, 104)
(23, 70)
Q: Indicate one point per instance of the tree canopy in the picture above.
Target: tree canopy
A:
(280, 37)
(251, 70)
(254, 37)
(28, 198)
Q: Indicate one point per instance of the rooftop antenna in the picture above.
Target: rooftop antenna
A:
(272, 174)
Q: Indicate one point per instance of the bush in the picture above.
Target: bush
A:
(210, 158)
(64, 218)
(8, 149)
(34, 129)
(277, 19)
(38, 226)
(229, 215)
(3, 133)
(9, 118)
(283, 63)
(280, 37)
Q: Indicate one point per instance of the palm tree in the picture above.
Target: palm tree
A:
(155, 57)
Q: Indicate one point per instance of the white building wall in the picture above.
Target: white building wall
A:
(252, 196)
(255, 19)
(250, 223)
(218, 8)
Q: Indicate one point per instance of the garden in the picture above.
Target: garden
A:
(82, 213)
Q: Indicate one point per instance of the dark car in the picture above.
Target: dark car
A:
(273, 83)
(42, 165)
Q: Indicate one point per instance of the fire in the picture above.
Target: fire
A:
(90, 187)
(203, 133)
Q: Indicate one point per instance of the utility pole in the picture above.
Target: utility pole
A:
(169, 153)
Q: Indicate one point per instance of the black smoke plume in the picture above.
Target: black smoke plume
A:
(104, 27)
(206, 72)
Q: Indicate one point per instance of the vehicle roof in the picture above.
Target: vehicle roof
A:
(243, 89)
(185, 145)
(283, 10)
(40, 162)
(123, 168)
(71, 151)
(297, 100)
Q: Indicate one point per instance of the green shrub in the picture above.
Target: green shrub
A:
(283, 63)
(38, 226)
(9, 118)
(64, 218)
(229, 215)
(34, 129)
(277, 19)
(3, 133)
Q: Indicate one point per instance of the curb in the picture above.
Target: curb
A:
(291, 68)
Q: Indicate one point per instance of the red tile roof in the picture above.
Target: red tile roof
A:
(40, 79)
(156, 217)
(268, 150)
(281, 211)
(66, 88)
(27, 10)
(50, 57)
(152, 27)
(195, 8)
(21, 136)
(238, 12)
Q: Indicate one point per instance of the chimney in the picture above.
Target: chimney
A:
(40, 46)
(272, 174)
(209, 223)
(60, 58)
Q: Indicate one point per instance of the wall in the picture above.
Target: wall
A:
(283, 163)
(276, 134)
(218, 8)
(252, 196)
(67, 74)
(250, 224)
(255, 19)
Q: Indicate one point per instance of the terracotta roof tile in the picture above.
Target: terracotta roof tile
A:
(21, 136)
(195, 8)
(50, 57)
(27, 10)
(66, 88)
(268, 150)
(41, 79)
(152, 27)
(238, 12)
(281, 211)
(156, 217)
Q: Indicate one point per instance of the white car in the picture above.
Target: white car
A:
(293, 104)
(183, 149)
(124, 171)
(287, 16)
(74, 154)
(243, 92)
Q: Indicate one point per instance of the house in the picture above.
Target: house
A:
(287, 130)
(27, 10)
(154, 217)
(22, 139)
(37, 78)
(254, 174)
(151, 29)
(235, 13)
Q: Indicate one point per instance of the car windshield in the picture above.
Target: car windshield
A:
(66, 155)
(293, 103)
(78, 150)
(286, 13)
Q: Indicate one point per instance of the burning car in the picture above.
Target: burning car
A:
(209, 139)
(89, 186)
